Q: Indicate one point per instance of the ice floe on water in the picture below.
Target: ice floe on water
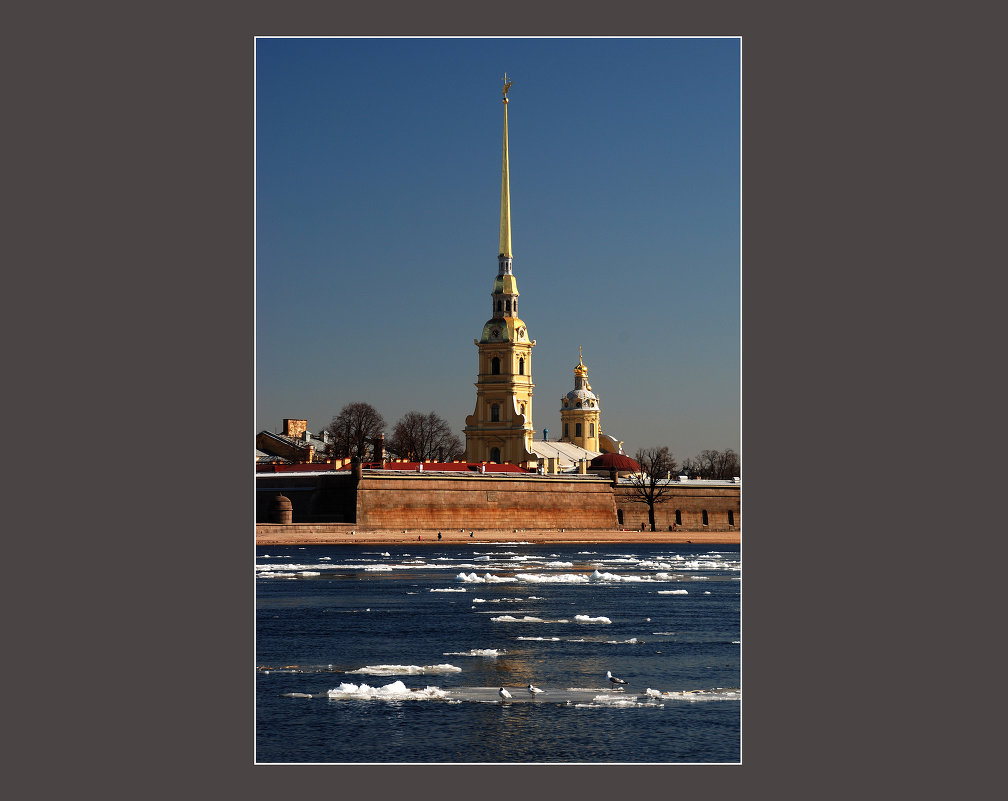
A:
(539, 639)
(546, 578)
(448, 589)
(404, 670)
(673, 592)
(377, 568)
(588, 619)
(489, 652)
(472, 578)
(718, 694)
(396, 691)
(631, 641)
(510, 619)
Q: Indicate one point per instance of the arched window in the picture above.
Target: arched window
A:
(591, 429)
(566, 429)
(495, 415)
(495, 366)
(498, 305)
(521, 367)
(678, 517)
(704, 517)
(619, 516)
(495, 453)
(507, 304)
(577, 429)
(731, 518)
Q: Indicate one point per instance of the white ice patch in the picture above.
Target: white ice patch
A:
(479, 600)
(539, 639)
(631, 641)
(600, 576)
(404, 670)
(396, 691)
(377, 568)
(673, 592)
(491, 652)
(309, 573)
(696, 695)
(450, 589)
(559, 578)
(587, 619)
(472, 578)
(616, 701)
(510, 619)
(558, 564)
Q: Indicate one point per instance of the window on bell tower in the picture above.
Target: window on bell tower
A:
(495, 413)
(495, 366)
(577, 429)
(521, 367)
(591, 429)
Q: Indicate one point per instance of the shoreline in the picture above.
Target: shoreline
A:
(267, 534)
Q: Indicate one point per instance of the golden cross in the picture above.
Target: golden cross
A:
(507, 84)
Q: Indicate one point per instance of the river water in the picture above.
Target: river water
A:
(373, 655)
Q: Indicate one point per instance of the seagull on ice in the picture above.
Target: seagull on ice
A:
(612, 679)
(534, 690)
(503, 693)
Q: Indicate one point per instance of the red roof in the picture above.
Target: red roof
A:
(615, 461)
(313, 467)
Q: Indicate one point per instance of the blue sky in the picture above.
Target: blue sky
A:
(377, 211)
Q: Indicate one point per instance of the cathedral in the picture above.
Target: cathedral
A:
(500, 429)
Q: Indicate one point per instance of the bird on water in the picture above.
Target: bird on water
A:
(503, 693)
(534, 690)
(612, 679)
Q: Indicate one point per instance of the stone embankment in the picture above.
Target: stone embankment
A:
(347, 534)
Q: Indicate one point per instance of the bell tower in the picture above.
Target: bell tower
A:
(500, 429)
(580, 411)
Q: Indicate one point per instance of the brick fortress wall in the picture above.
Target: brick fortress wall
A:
(691, 499)
(428, 501)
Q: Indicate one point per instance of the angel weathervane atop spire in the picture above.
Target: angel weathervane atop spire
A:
(507, 85)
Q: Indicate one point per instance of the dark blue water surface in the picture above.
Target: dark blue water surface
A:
(415, 643)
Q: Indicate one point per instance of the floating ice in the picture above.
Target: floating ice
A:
(545, 578)
(376, 568)
(492, 652)
(539, 639)
(404, 670)
(309, 573)
(631, 641)
(472, 578)
(718, 694)
(478, 601)
(558, 564)
(587, 619)
(673, 592)
(449, 589)
(396, 691)
(510, 619)
(600, 576)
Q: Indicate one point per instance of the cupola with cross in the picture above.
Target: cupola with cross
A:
(580, 411)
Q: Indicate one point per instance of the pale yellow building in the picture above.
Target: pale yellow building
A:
(580, 411)
(500, 428)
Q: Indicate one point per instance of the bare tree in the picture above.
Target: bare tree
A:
(652, 483)
(354, 429)
(712, 464)
(419, 436)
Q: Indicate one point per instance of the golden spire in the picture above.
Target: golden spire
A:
(505, 214)
(580, 369)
